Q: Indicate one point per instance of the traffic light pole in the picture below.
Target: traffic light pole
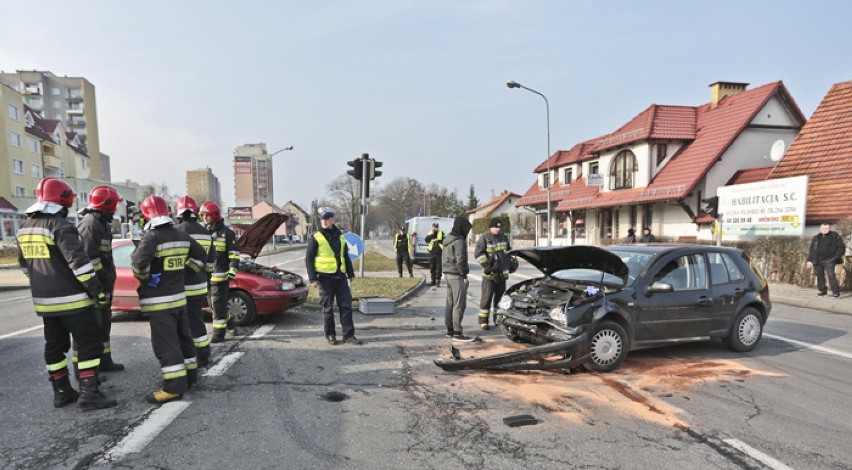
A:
(364, 182)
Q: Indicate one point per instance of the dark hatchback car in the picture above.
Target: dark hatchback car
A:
(636, 296)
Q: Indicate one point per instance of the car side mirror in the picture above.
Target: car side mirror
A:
(659, 286)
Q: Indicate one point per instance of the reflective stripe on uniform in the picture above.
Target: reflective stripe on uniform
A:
(196, 289)
(154, 304)
(57, 366)
(174, 372)
(90, 364)
(58, 304)
(219, 277)
(201, 341)
(190, 363)
(325, 260)
(96, 262)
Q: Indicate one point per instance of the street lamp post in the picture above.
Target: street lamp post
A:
(514, 84)
(289, 147)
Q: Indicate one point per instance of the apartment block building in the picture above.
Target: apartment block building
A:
(252, 175)
(69, 100)
(203, 185)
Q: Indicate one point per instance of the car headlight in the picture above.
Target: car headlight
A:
(286, 286)
(558, 314)
(505, 302)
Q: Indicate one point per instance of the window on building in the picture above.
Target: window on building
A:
(545, 180)
(75, 93)
(568, 176)
(55, 91)
(35, 146)
(57, 104)
(35, 170)
(661, 152)
(13, 112)
(593, 168)
(18, 166)
(648, 218)
(621, 172)
(84, 163)
(20, 191)
(15, 138)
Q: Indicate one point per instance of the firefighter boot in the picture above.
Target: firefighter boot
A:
(191, 378)
(63, 392)
(203, 355)
(108, 365)
(483, 320)
(161, 396)
(218, 335)
(91, 398)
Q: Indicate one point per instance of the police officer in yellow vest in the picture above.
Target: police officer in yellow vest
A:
(435, 243)
(330, 269)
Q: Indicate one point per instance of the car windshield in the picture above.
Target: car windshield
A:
(591, 276)
(635, 261)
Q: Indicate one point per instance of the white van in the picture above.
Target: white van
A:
(418, 228)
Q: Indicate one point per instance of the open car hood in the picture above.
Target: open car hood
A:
(258, 235)
(556, 258)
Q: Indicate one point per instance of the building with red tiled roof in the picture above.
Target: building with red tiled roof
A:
(656, 169)
(823, 151)
(502, 204)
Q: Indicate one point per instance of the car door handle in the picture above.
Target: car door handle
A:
(704, 300)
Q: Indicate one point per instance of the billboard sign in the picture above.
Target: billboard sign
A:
(240, 215)
(764, 208)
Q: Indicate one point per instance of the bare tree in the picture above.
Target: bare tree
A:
(345, 194)
(397, 200)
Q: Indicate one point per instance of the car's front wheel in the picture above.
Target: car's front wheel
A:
(607, 346)
(746, 331)
(241, 308)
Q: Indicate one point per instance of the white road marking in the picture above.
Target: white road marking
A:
(20, 332)
(297, 260)
(756, 454)
(262, 331)
(814, 347)
(223, 364)
(15, 299)
(147, 430)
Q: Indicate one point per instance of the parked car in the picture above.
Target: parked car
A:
(257, 290)
(636, 296)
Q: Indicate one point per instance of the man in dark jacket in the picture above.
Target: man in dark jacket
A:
(330, 270)
(827, 250)
(435, 242)
(96, 234)
(66, 294)
(402, 245)
(455, 268)
(159, 263)
(647, 236)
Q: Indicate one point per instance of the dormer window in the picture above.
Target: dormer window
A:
(621, 172)
(567, 176)
(545, 180)
(661, 151)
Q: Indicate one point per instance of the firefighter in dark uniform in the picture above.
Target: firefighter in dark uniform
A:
(402, 245)
(96, 233)
(435, 243)
(186, 210)
(66, 294)
(330, 269)
(490, 253)
(227, 259)
(159, 262)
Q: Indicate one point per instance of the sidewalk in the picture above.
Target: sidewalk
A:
(11, 278)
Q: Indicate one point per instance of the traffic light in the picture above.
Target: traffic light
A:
(130, 209)
(712, 208)
(357, 169)
(373, 165)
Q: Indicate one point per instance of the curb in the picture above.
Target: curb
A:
(405, 295)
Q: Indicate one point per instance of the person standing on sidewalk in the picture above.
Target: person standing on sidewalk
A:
(227, 260)
(435, 242)
(402, 245)
(455, 268)
(827, 250)
(330, 270)
(491, 253)
(66, 294)
(195, 283)
(96, 234)
(647, 236)
(159, 263)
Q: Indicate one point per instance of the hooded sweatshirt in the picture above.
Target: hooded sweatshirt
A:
(454, 256)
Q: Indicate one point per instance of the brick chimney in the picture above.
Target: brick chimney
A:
(720, 90)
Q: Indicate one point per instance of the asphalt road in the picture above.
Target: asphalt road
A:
(280, 397)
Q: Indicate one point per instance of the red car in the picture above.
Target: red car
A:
(257, 289)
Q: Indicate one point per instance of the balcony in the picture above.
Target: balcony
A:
(76, 111)
(52, 162)
(76, 122)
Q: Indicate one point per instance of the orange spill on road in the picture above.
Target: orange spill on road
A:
(633, 389)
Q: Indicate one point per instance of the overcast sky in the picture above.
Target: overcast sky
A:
(419, 85)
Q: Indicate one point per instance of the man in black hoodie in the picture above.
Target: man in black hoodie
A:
(827, 250)
(454, 264)
(330, 269)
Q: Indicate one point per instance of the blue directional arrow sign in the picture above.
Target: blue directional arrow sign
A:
(355, 244)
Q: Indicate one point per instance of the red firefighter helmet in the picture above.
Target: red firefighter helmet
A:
(186, 203)
(55, 190)
(154, 206)
(211, 208)
(104, 199)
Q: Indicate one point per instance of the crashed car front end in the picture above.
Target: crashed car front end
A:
(546, 310)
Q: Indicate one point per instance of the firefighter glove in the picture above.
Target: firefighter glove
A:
(101, 300)
(232, 273)
(155, 280)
